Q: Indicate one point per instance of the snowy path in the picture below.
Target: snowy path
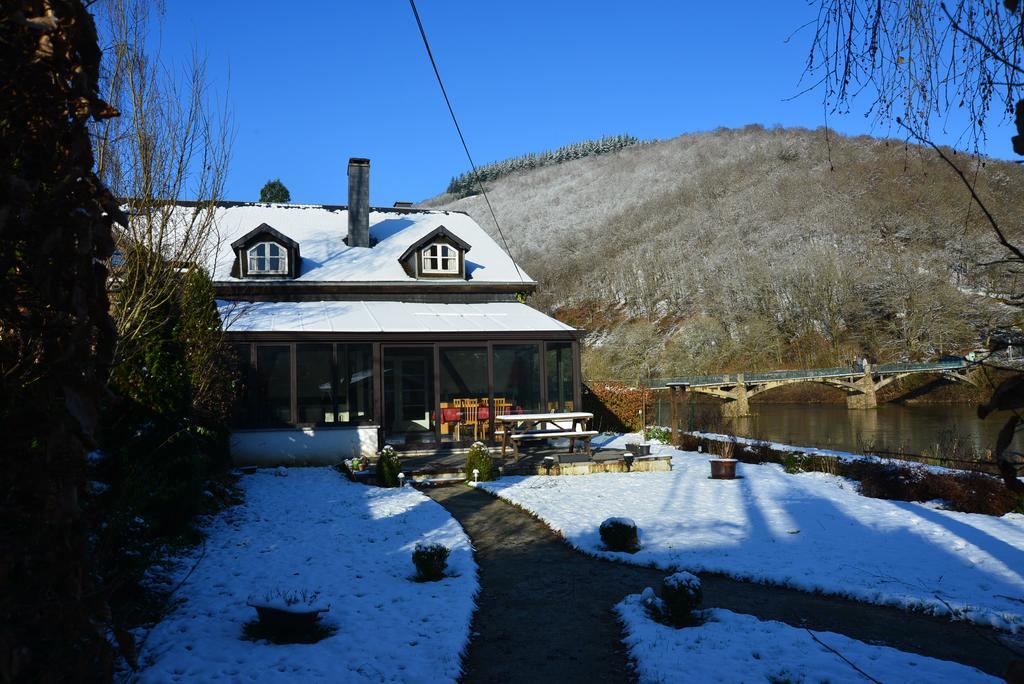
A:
(545, 611)
(352, 543)
(812, 531)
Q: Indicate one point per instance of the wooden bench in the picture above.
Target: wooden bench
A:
(572, 435)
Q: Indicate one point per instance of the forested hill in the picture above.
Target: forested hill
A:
(759, 248)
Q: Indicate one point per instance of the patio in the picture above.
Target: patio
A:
(440, 466)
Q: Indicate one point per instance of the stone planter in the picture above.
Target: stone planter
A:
(723, 468)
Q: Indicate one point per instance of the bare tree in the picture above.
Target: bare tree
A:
(918, 61)
(165, 157)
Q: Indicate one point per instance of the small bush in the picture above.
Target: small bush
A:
(793, 462)
(975, 493)
(479, 458)
(388, 467)
(620, 534)
(756, 453)
(655, 433)
(430, 561)
(897, 483)
(688, 442)
(681, 594)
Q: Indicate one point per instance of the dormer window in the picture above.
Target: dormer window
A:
(440, 254)
(440, 259)
(268, 258)
(265, 252)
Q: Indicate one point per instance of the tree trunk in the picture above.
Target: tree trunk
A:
(55, 340)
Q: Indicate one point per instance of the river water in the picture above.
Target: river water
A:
(916, 429)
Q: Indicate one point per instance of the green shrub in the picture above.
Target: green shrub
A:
(430, 561)
(620, 534)
(681, 594)
(388, 467)
(479, 458)
(656, 433)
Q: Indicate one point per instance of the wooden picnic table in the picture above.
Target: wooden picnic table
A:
(515, 426)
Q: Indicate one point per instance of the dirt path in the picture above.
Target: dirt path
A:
(545, 610)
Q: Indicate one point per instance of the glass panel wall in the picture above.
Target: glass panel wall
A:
(516, 378)
(408, 376)
(333, 385)
(355, 383)
(273, 400)
(465, 411)
(241, 364)
(314, 384)
(559, 380)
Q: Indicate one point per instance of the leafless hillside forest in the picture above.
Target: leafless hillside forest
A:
(755, 248)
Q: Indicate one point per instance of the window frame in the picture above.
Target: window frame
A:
(440, 257)
(253, 258)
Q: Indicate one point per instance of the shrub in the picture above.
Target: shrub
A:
(756, 453)
(388, 467)
(620, 534)
(897, 483)
(688, 442)
(681, 594)
(974, 493)
(793, 462)
(616, 406)
(430, 561)
(479, 458)
(655, 433)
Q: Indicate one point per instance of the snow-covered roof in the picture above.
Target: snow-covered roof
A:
(384, 317)
(320, 230)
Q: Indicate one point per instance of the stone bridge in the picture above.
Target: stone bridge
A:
(861, 382)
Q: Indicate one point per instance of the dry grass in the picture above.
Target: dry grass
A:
(747, 251)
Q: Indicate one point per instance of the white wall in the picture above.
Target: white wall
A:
(302, 446)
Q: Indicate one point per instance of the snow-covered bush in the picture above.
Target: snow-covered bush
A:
(681, 594)
(479, 458)
(388, 467)
(430, 561)
(620, 534)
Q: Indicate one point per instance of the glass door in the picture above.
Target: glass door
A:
(408, 375)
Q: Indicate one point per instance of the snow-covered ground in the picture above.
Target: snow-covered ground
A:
(731, 647)
(810, 531)
(313, 530)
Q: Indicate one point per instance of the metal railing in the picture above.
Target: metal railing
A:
(854, 371)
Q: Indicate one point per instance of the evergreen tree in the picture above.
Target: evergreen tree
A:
(467, 184)
(275, 191)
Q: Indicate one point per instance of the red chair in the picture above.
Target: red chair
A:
(452, 417)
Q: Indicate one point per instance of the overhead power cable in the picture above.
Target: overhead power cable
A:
(458, 129)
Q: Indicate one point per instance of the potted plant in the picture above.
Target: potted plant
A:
(724, 467)
(283, 612)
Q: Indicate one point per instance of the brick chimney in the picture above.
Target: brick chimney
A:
(358, 202)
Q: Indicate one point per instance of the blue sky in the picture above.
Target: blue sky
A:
(311, 87)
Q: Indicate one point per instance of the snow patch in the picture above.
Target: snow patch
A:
(732, 647)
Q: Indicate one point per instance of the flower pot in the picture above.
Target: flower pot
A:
(723, 468)
(639, 449)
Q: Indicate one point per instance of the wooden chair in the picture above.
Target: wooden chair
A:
(469, 409)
